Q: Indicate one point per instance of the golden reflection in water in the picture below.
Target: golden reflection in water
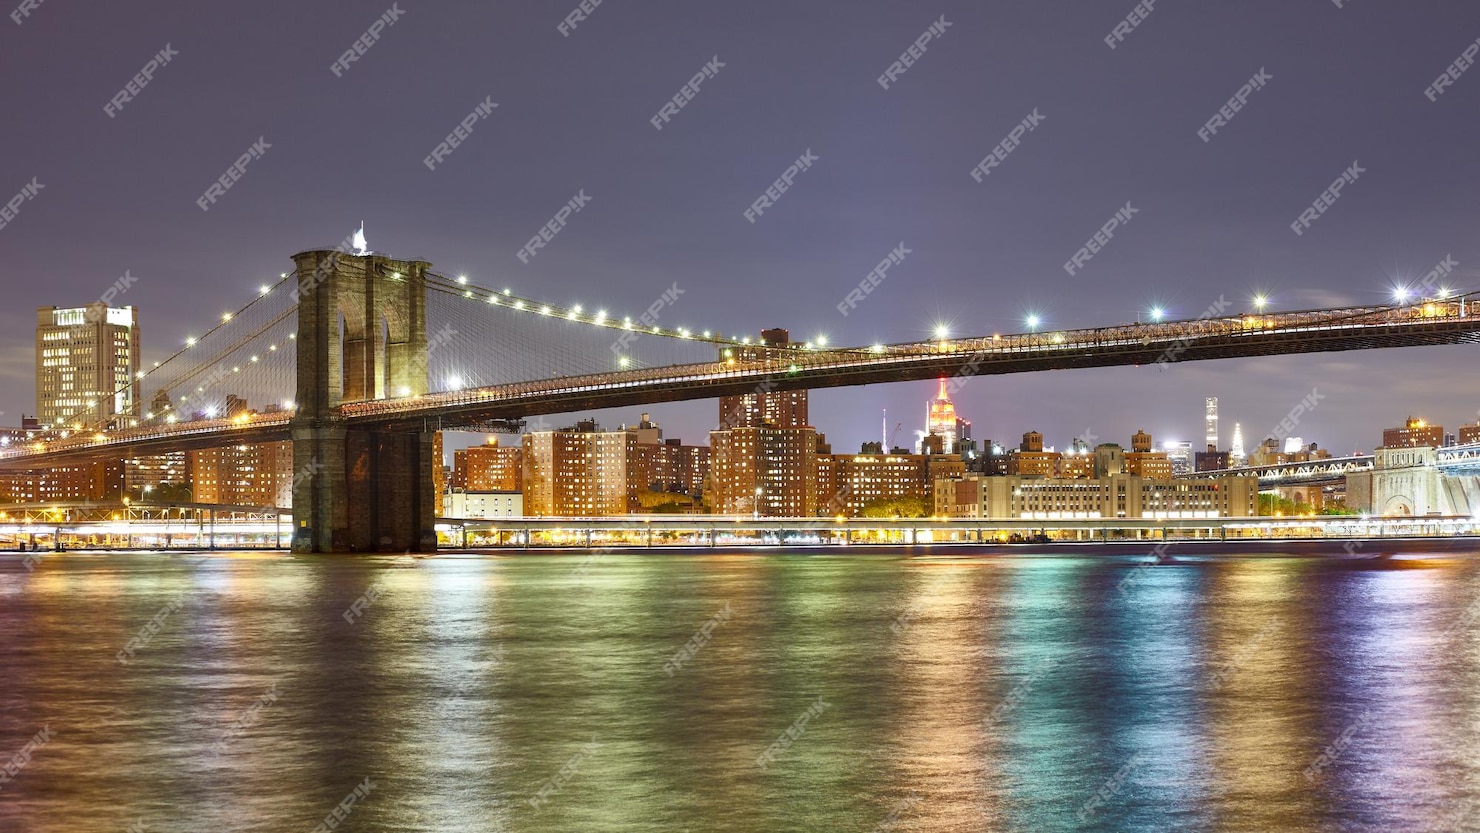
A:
(944, 759)
(1258, 655)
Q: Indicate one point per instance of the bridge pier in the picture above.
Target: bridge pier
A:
(361, 335)
(368, 492)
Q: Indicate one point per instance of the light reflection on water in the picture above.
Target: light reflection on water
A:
(529, 693)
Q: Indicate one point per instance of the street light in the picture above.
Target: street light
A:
(1157, 313)
(1033, 321)
(1260, 302)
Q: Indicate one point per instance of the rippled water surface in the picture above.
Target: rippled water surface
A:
(738, 692)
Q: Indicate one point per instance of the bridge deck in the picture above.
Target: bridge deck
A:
(1453, 321)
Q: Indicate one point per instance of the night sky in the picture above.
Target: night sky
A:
(1347, 84)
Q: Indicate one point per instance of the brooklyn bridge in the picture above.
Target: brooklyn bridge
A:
(359, 358)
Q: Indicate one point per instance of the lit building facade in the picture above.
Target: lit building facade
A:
(763, 458)
(847, 483)
(1115, 496)
(1075, 464)
(770, 472)
(482, 505)
(1029, 459)
(578, 472)
(764, 407)
(583, 471)
(488, 468)
(157, 476)
(256, 474)
(671, 466)
(1180, 456)
(1469, 434)
(98, 481)
(941, 421)
(87, 363)
(1143, 461)
(1415, 433)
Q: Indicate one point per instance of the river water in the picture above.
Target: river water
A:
(738, 692)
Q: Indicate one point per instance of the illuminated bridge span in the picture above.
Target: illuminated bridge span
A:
(358, 358)
(1456, 459)
(1308, 473)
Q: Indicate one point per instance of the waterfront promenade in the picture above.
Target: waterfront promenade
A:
(681, 532)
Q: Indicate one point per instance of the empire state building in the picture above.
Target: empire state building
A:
(941, 421)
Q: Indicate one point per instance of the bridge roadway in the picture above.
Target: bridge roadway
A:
(1455, 459)
(1452, 321)
(1435, 323)
(1309, 473)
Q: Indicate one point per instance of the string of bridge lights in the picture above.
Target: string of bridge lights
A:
(192, 341)
(226, 318)
(1402, 294)
(506, 299)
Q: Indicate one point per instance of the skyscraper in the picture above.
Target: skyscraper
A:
(1236, 455)
(941, 421)
(1210, 415)
(87, 363)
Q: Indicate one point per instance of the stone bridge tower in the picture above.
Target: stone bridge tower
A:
(361, 335)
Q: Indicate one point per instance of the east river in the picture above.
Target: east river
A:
(738, 692)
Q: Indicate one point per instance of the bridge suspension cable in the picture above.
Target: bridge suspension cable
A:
(247, 353)
(479, 336)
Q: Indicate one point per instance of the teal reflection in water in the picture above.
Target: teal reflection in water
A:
(739, 692)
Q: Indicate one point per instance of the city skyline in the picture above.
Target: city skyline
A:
(1218, 227)
(842, 415)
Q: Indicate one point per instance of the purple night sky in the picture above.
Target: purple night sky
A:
(1346, 84)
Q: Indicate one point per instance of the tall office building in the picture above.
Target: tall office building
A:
(1469, 434)
(941, 421)
(87, 363)
(1236, 454)
(1210, 417)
